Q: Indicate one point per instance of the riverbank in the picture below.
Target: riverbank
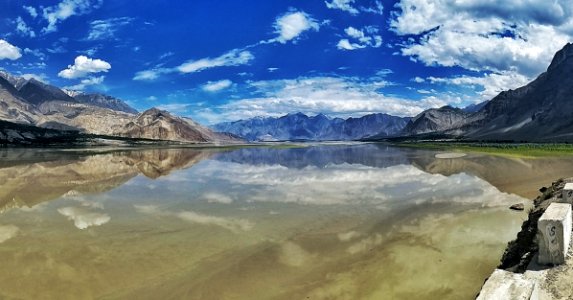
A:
(502, 148)
(518, 274)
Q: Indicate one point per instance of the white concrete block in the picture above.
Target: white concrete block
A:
(554, 234)
(507, 285)
(567, 193)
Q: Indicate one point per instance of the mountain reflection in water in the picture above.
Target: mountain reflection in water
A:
(364, 221)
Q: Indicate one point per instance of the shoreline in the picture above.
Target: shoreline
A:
(495, 148)
(519, 275)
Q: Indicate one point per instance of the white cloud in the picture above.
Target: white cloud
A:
(9, 51)
(106, 29)
(491, 84)
(217, 85)
(166, 55)
(148, 74)
(344, 44)
(377, 8)
(292, 24)
(235, 57)
(36, 52)
(334, 96)
(232, 58)
(86, 82)
(65, 9)
(40, 77)
(84, 218)
(366, 37)
(83, 66)
(31, 10)
(498, 36)
(418, 79)
(348, 6)
(345, 5)
(272, 69)
(23, 29)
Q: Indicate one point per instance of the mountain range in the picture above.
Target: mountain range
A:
(298, 126)
(541, 111)
(33, 111)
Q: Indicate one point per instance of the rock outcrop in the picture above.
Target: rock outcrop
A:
(435, 120)
(158, 124)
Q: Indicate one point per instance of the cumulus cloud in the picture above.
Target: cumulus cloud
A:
(496, 36)
(83, 218)
(31, 10)
(292, 24)
(345, 5)
(335, 96)
(349, 7)
(36, 52)
(490, 84)
(217, 85)
(83, 66)
(362, 38)
(86, 82)
(9, 51)
(23, 29)
(106, 29)
(65, 9)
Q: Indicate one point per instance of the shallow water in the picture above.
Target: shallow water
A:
(361, 221)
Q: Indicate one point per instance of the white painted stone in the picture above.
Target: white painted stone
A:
(567, 193)
(508, 285)
(554, 234)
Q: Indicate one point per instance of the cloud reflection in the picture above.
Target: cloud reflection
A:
(232, 224)
(7, 232)
(351, 184)
(84, 218)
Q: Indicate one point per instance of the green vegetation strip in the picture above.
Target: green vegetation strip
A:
(518, 149)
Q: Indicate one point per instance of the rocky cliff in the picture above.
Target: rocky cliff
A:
(541, 111)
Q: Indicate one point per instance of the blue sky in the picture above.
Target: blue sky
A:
(226, 60)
